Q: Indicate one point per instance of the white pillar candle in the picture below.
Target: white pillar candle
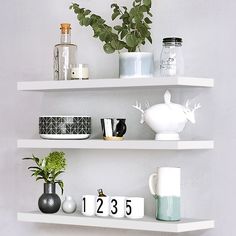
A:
(80, 72)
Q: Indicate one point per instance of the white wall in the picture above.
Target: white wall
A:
(29, 30)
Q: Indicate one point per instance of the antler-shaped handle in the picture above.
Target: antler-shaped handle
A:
(197, 106)
(138, 106)
(147, 104)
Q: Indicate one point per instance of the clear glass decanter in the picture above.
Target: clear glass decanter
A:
(65, 55)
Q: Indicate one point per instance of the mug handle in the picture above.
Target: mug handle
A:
(121, 129)
(152, 184)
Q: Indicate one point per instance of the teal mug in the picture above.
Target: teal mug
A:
(165, 187)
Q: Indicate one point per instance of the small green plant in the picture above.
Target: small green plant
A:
(49, 168)
(132, 32)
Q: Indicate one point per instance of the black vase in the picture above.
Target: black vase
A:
(49, 202)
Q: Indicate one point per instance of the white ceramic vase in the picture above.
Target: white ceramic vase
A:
(69, 205)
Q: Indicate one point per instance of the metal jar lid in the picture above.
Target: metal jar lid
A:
(172, 40)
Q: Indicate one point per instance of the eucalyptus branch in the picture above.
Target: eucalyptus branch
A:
(132, 32)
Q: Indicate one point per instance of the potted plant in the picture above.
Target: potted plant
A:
(48, 169)
(131, 33)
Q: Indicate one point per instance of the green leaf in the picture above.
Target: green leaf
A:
(114, 5)
(108, 48)
(143, 8)
(114, 15)
(131, 40)
(82, 21)
(104, 36)
(136, 14)
(100, 21)
(118, 28)
(57, 174)
(86, 21)
(147, 2)
(149, 13)
(117, 45)
(133, 11)
(132, 49)
(80, 17)
(36, 159)
(34, 167)
(61, 185)
(87, 12)
(149, 38)
(142, 30)
(147, 20)
(38, 178)
(123, 33)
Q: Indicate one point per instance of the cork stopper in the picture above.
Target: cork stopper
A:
(65, 28)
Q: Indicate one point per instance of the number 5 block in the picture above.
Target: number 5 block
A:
(134, 207)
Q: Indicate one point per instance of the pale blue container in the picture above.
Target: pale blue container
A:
(136, 65)
(168, 208)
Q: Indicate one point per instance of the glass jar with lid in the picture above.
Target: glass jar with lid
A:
(172, 61)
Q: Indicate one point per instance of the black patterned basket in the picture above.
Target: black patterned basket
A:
(65, 127)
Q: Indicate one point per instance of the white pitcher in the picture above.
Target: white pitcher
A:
(165, 187)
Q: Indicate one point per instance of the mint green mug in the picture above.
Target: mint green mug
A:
(164, 185)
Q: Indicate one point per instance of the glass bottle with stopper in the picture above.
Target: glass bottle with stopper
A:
(65, 55)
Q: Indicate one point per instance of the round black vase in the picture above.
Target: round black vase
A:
(49, 202)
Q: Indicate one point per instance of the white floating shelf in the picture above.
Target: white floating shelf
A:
(146, 224)
(125, 144)
(114, 83)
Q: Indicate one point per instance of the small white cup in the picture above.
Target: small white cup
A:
(102, 206)
(88, 205)
(117, 207)
(134, 207)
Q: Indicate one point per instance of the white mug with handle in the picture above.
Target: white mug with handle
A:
(164, 185)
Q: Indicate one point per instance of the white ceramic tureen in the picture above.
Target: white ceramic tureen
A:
(167, 119)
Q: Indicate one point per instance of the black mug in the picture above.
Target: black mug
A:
(113, 128)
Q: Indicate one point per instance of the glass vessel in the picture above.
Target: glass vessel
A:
(172, 61)
(64, 55)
